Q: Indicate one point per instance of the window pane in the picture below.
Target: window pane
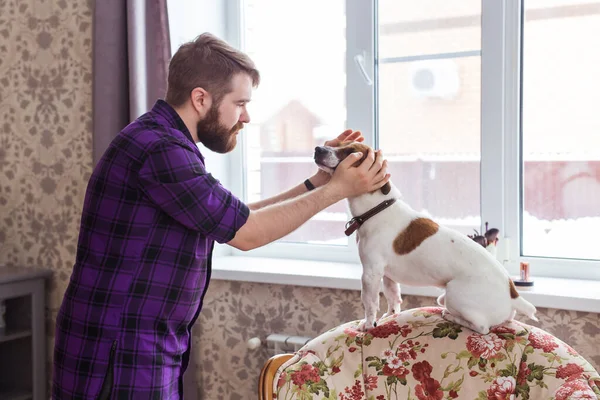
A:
(429, 106)
(300, 50)
(428, 27)
(561, 129)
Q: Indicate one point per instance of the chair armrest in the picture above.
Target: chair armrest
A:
(267, 375)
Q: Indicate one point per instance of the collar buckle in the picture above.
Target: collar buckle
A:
(356, 222)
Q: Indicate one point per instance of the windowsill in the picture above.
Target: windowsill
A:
(564, 294)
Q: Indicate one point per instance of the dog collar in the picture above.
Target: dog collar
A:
(356, 222)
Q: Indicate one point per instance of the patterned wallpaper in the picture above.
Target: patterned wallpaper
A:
(45, 134)
(46, 160)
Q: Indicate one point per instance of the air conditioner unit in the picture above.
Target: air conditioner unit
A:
(434, 79)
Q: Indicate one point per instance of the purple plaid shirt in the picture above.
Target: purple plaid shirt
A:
(150, 218)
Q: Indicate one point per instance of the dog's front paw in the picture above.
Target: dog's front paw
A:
(365, 325)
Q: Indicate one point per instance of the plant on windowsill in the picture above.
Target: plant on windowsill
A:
(489, 240)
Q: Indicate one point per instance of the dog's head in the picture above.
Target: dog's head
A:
(328, 158)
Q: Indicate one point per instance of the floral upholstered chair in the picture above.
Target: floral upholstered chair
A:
(418, 355)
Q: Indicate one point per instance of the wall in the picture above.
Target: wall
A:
(235, 312)
(45, 135)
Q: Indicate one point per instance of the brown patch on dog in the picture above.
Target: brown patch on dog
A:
(513, 290)
(415, 233)
(385, 189)
(355, 147)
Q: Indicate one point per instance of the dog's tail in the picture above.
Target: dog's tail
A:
(520, 304)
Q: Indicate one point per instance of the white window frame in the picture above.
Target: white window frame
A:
(500, 133)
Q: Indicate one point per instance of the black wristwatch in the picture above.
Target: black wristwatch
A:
(309, 185)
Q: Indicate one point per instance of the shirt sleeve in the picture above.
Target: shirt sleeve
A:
(174, 179)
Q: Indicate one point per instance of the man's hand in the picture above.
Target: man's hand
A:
(369, 176)
(322, 177)
(347, 136)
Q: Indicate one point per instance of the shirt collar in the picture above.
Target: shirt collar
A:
(171, 118)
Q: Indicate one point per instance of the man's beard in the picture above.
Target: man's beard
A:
(215, 136)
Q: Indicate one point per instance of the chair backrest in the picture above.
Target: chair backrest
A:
(267, 375)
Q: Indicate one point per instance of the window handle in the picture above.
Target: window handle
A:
(360, 62)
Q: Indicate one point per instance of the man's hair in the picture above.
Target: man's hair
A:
(207, 62)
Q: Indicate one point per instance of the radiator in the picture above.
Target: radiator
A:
(277, 343)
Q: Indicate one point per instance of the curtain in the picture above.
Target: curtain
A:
(131, 52)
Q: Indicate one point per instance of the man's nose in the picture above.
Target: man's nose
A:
(245, 117)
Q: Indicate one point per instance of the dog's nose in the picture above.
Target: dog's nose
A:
(320, 150)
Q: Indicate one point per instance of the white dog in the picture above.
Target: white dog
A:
(400, 245)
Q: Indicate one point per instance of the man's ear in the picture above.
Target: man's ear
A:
(201, 100)
(385, 189)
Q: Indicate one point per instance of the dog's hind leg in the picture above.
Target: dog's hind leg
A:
(479, 323)
(471, 321)
(476, 325)
(371, 280)
(466, 305)
(391, 291)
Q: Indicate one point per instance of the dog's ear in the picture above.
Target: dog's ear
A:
(346, 150)
(364, 156)
(385, 189)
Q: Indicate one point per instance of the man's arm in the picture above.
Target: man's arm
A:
(278, 220)
(317, 180)
(273, 222)
(174, 179)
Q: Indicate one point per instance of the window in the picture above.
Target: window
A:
(484, 109)
(561, 129)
